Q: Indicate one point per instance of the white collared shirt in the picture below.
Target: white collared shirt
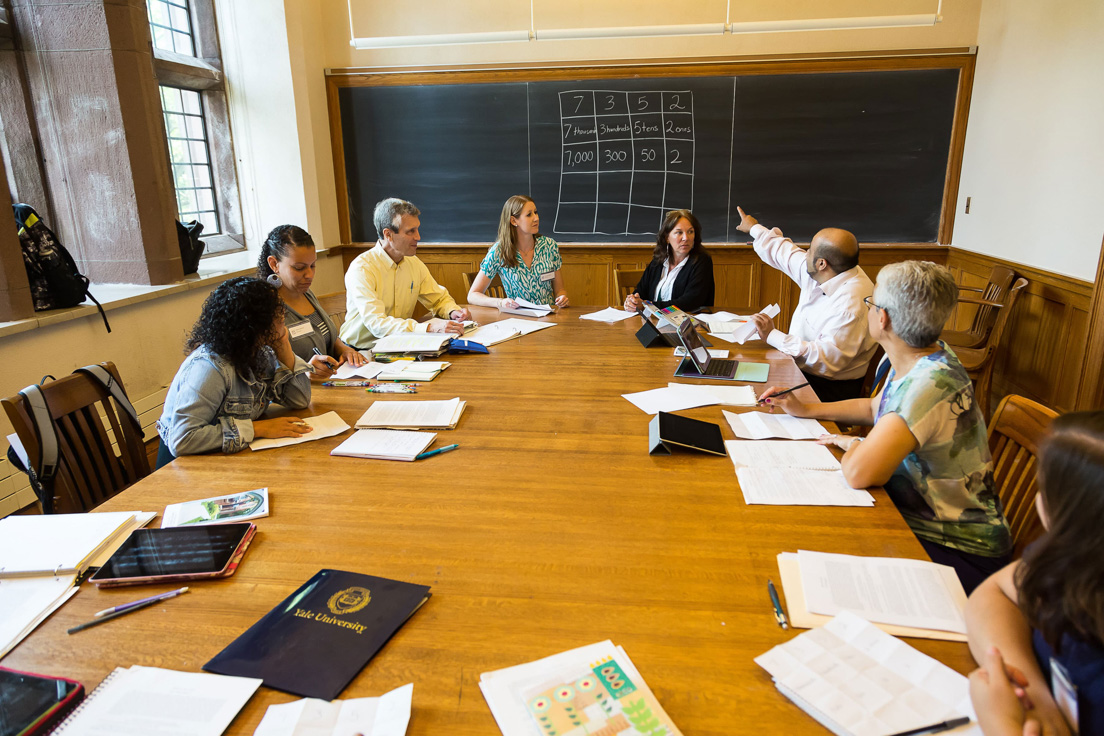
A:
(828, 334)
(667, 283)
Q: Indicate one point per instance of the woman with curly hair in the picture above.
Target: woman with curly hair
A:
(681, 271)
(287, 262)
(1037, 626)
(239, 360)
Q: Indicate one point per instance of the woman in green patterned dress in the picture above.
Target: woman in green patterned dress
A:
(527, 262)
(928, 446)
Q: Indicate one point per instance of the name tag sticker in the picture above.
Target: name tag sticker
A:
(548, 276)
(1065, 693)
(299, 329)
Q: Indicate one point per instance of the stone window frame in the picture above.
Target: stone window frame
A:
(203, 73)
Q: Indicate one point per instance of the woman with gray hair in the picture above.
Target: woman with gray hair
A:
(928, 445)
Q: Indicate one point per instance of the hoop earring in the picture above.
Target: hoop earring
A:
(274, 280)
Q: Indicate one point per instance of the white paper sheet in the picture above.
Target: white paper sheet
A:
(718, 318)
(609, 314)
(726, 395)
(492, 334)
(322, 426)
(780, 454)
(887, 590)
(757, 425)
(27, 602)
(856, 679)
(387, 715)
(148, 700)
(20, 451)
(346, 371)
(669, 399)
(525, 326)
(743, 331)
(414, 414)
(413, 370)
(794, 487)
(385, 444)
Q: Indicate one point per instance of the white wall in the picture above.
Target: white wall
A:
(1034, 152)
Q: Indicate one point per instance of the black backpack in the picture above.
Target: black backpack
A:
(55, 281)
(191, 247)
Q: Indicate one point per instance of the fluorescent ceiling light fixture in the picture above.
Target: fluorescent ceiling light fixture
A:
(439, 39)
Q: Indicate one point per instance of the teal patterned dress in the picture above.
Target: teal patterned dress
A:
(525, 281)
(944, 488)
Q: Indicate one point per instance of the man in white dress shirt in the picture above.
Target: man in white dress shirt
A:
(828, 338)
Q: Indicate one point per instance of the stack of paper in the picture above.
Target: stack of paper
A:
(715, 320)
(346, 371)
(527, 308)
(741, 331)
(322, 426)
(143, 700)
(779, 454)
(902, 597)
(795, 487)
(385, 444)
(854, 679)
(225, 509)
(727, 395)
(387, 715)
(402, 414)
(609, 314)
(755, 425)
(412, 370)
(413, 342)
(593, 689)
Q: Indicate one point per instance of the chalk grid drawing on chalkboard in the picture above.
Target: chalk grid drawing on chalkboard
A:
(628, 157)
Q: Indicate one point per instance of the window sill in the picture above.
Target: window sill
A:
(212, 271)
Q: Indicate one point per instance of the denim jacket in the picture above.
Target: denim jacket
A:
(210, 406)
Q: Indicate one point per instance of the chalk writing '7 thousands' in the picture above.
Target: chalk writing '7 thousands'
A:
(638, 127)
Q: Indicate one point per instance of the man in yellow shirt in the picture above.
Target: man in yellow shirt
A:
(383, 285)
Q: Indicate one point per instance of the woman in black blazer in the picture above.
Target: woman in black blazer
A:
(681, 272)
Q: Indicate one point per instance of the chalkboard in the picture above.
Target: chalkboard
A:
(604, 159)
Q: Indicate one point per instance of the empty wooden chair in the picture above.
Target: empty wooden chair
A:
(979, 362)
(334, 305)
(625, 281)
(92, 466)
(1014, 434)
(495, 289)
(1000, 279)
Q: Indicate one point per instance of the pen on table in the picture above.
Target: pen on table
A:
(438, 451)
(936, 727)
(346, 383)
(780, 393)
(125, 608)
(779, 615)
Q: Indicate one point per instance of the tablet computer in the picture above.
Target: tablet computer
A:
(34, 704)
(175, 554)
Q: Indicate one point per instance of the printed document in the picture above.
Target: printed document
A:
(757, 425)
(795, 487)
(402, 414)
(780, 454)
(741, 332)
(385, 444)
(727, 395)
(387, 715)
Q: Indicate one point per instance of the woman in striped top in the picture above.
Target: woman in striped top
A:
(287, 261)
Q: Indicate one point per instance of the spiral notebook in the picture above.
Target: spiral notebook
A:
(142, 700)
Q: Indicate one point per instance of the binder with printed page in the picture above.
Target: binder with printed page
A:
(316, 641)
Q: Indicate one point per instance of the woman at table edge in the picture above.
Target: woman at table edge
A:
(1046, 611)
(681, 271)
(928, 446)
(527, 263)
(288, 261)
(239, 360)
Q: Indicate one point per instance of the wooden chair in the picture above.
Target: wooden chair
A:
(495, 289)
(626, 280)
(334, 305)
(1000, 278)
(1014, 435)
(979, 362)
(92, 467)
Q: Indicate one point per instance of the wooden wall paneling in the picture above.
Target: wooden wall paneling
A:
(1090, 393)
(588, 278)
(737, 287)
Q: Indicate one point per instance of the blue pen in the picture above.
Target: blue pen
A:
(438, 451)
(779, 616)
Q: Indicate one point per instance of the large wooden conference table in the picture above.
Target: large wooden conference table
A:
(550, 528)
